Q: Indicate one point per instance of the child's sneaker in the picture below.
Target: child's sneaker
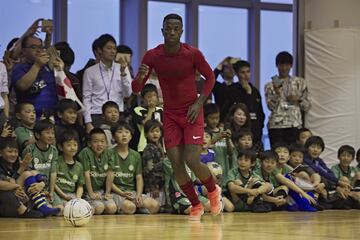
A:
(215, 201)
(196, 212)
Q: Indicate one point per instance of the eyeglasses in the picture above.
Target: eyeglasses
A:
(36, 47)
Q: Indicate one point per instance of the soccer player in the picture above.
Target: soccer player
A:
(176, 64)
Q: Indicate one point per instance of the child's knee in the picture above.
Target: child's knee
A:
(128, 207)
(110, 207)
(152, 205)
(344, 179)
(99, 209)
(303, 175)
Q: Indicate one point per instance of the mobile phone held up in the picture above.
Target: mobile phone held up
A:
(45, 23)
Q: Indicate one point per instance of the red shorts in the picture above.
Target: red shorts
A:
(178, 131)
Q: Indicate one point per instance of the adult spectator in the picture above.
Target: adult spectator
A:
(286, 96)
(225, 93)
(33, 80)
(104, 81)
(250, 96)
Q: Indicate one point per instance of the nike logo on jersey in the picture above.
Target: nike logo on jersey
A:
(196, 137)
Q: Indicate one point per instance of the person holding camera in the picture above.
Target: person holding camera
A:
(33, 80)
(286, 98)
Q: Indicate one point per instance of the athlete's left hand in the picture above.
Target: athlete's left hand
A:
(193, 112)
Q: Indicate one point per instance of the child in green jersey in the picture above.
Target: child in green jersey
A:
(67, 174)
(221, 139)
(244, 187)
(128, 180)
(42, 151)
(25, 113)
(98, 166)
(349, 178)
(282, 151)
(17, 182)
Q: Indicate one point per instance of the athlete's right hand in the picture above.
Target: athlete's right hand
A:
(143, 71)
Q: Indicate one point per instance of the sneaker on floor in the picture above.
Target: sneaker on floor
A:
(30, 213)
(196, 212)
(215, 201)
(260, 207)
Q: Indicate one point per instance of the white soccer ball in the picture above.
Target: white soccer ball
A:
(77, 212)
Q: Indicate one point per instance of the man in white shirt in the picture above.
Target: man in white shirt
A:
(4, 91)
(105, 81)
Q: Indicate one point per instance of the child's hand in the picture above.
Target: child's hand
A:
(309, 198)
(238, 182)
(7, 130)
(138, 200)
(24, 163)
(343, 192)
(20, 193)
(36, 188)
(280, 200)
(108, 196)
(127, 195)
(253, 192)
(95, 196)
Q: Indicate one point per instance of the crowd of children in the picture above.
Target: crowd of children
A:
(44, 164)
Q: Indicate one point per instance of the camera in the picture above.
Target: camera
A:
(36, 87)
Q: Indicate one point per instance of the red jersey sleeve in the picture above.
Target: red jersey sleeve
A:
(205, 70)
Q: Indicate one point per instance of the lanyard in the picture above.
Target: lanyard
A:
(102, 77)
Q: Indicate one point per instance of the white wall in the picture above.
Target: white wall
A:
(322, 13)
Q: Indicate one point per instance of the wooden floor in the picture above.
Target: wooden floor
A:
(248, 226)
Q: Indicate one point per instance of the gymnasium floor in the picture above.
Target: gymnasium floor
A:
(276, 225)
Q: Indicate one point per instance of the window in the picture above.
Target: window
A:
(223, 32)
(156, 13)
(279, 1)
(87, 20)
(17, 16)
(276, 36)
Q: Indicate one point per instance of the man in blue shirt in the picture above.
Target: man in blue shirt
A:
(32, 80)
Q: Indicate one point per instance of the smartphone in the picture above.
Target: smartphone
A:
(125, 56)
(45, 23)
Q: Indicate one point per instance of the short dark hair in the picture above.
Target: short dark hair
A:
(124, 49)
(315, 140)
(149, 87)
(242, 133)
(269, 154)
(210, 108)
(301, 130)
(96, 131)
(151, 124)
(11, 43)
(247, 153)
(104, 39)
(240, 64)
(122, 125)
(19, 106)
(172, 16)
(43, 125)
(67, 135)
(284, 58)
(95, 46)
(66, 53)
(109, 104)
(295, 147)
(9, 142)
(346, 148)
(65, 104)
(280, 145)
(26, 38)
(358, 155)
